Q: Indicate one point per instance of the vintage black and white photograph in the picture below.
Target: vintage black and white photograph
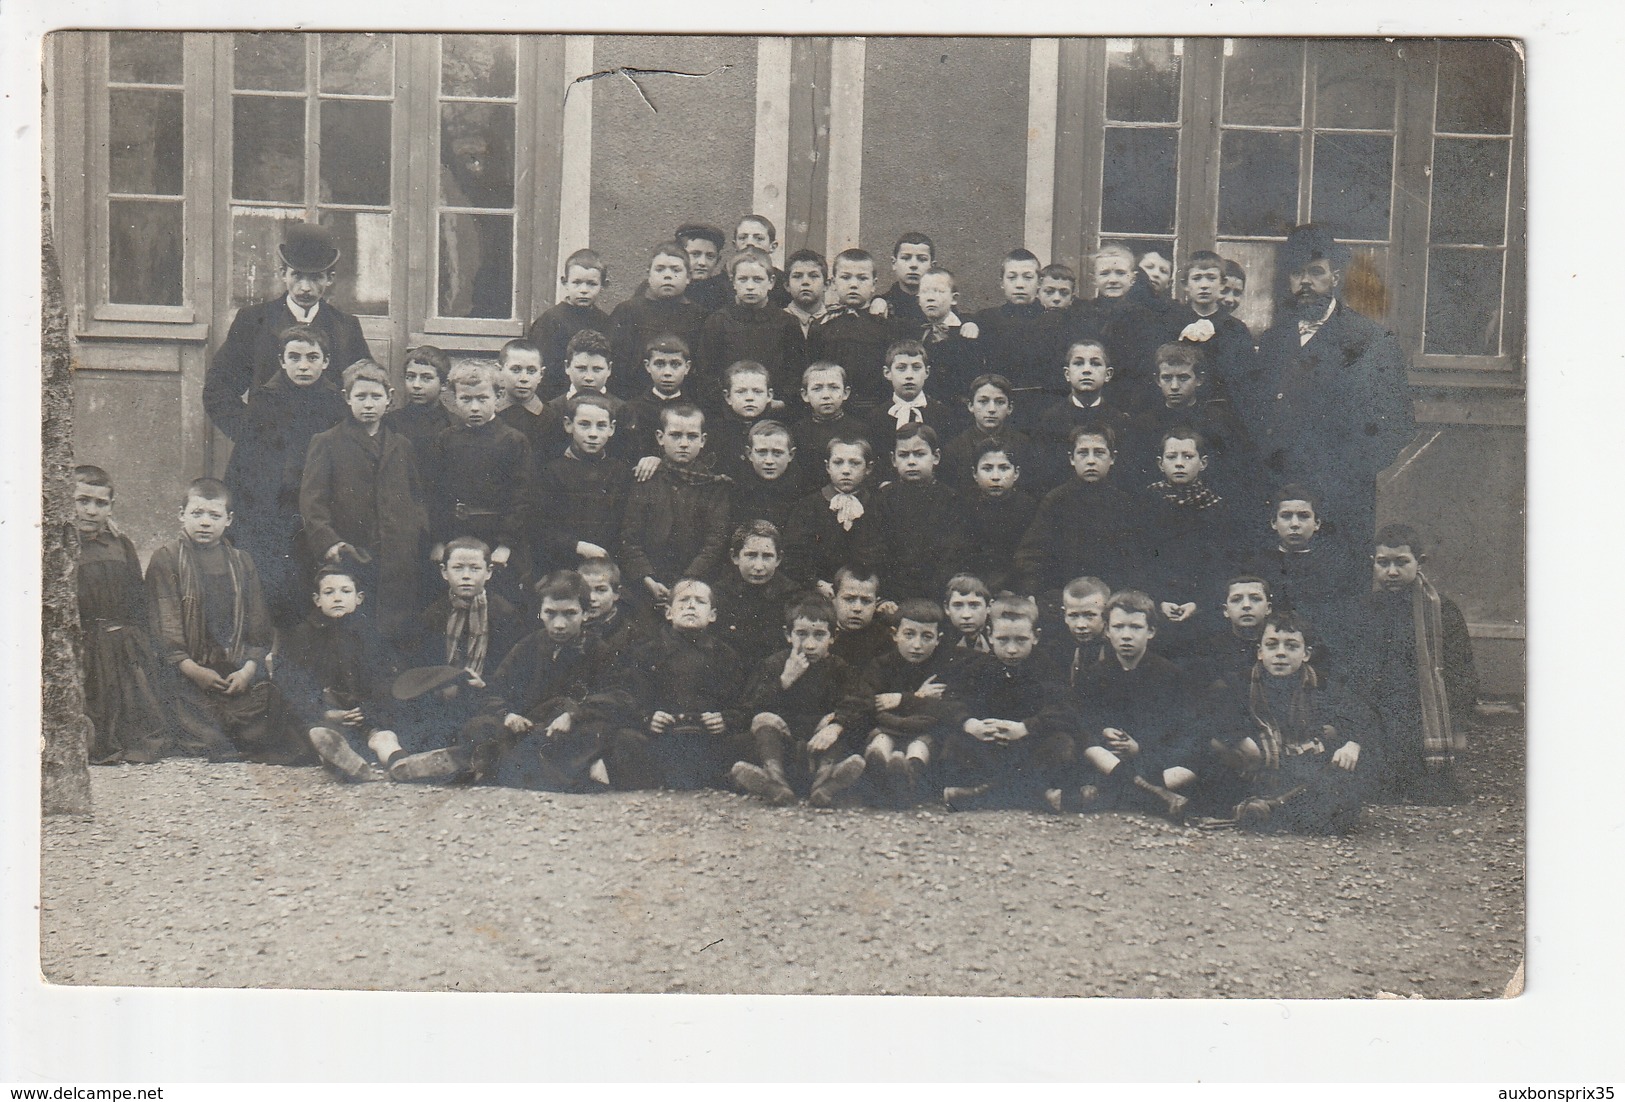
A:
(726, 514)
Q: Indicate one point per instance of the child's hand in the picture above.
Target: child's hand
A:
(969, 330)
(886, 608)
(1178, 613)
(437, 553)
(646, 468)
(980, 729)
(794, 667)
(203, 677)
(827, 590)
(516, 723)
(774, 405)
(449, 693)
(501, 555)
(1010, 731)
(475, 681)
(660, 721)
(1347, 756)
(714, 722)
(880, 308)
(1120, 742)
(661, 593)
(886, 702)
(237, 681)
(559, 726)
(932, 689)
(336, 552)
(824, 737)
(590, 550)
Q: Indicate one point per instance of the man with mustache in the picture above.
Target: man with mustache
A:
(1329, 399)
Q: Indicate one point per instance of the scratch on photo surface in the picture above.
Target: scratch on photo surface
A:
(1394, 473)
(632, 74)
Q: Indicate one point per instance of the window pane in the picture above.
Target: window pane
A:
(1469, 191)
(1353, 184)
(1258, 183)
(1464, 302)
(1355, 84)
(355, 152)
(478, 65)
(1475, 87)
(1367, 283)
(144, 239)
(476, 266)
(268, 62)
(1142, 80)
(358, 64)
(268, 149)
(1138, 181)
(365, 255)
(476, 155)
(255, 234)
(1263, 82)
(146, 142)
(144, 57)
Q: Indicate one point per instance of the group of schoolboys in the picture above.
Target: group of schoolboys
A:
(769, 530)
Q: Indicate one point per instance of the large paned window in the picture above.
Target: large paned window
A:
(1139, 167)
(311, 137)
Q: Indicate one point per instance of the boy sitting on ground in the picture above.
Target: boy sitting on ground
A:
(792, 698)
(862, 633)
(614, 627)
(1073, 656)
(335, 675)
(1017, 744)
(969, 605)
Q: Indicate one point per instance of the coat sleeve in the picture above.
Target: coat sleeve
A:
(231, 375)
(714, 522)
(634, 559)
(1033, 553)
(164, 607)
(1460, 672)
(316, 496)
(512, 531)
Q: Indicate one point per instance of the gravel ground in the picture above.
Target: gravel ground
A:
(233, 875)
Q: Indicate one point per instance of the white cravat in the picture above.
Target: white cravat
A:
(301, 316)
(1307, 329)
(847, 509)
(906, 413)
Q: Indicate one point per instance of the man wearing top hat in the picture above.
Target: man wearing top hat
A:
(248, 357)
(1329, 397)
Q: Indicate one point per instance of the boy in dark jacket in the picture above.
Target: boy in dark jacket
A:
(660, 309)
(579, 499)
(424, 416)
(1021, 339)
(1087, 369)
(825, 392)
(1083, 527)
(852, 335)
(993, 517)
(771, 481)
(911, 258)
(835, 526)
(584, 279)
(677, 522)
(751, 328)
(990, 404)
(751, 597)
(917, 516)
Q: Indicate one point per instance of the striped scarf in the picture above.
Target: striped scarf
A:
(468, 633)
(193, 616)
(1273, 734)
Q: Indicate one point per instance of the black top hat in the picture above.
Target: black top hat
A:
(1311, 242)
(308, 248)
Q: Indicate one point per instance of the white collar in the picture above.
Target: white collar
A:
(1091, 405)
(300, 316)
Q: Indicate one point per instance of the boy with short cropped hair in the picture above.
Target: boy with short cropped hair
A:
(1188, 539)
(861, 633)
(835, 525)
(1072, 655)
(806, 278)
(771, 480)
(584, 279)
(1310, 570)
(1016, 744)
(825, 392)
(667, 362)
(917, 516)
(906, 371)
(757, 231)
(1083, 527)
(479, 476)
(268, 461)
(851, 335)
(362, 501)
(679, 724)
(579, 498)
(994, 515)
(708, 286)
(212, 632)
(899, 707)
(335, 673)
(750, 598)
(1130, 329)
(424, 415)
(587, 370)
(969, 604)
(747, 394)
(750, 328)
(676, 523)
(911, 258)
(1021, 338)
(660, 309)
(520, 370)
(1202, 320)
(952, 344)
(1155, 265)
(1233, 287)
(1057, 287)
(1087, 370)
(616, 628)
(1184, 381)
(1223, 659)
(1139, 737)
(792, 698)
(990, 403)
(120, 669)
(1414, 659)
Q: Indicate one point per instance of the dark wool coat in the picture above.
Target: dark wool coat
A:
(1027, 345)
(816, 546)
(576, 500)
(676, 526)
(814, 695)
(344, 657)
(639, 320)
(249, 356)
(917, 522)
(857, 340)
(486, 468)
(551, 332)
(988, 532)
(1080, 529)
(764, 334)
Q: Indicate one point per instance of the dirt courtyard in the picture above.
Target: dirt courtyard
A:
(233, 875)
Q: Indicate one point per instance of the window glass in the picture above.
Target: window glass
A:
(476, 154)
(1258, 182)
(1138, 178)
(1476, 80)
(1353, 184)
(477, 66)
(1263, 82)
(1469, 191)
(145, 238)
(1355, 85)
(1142, 80)
(1464, 302)
(476, 265)
(144, 57)
(358, 64)
(146, 141)
(366, 256)
(355, 152)
(268, 149)
(268, 62)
